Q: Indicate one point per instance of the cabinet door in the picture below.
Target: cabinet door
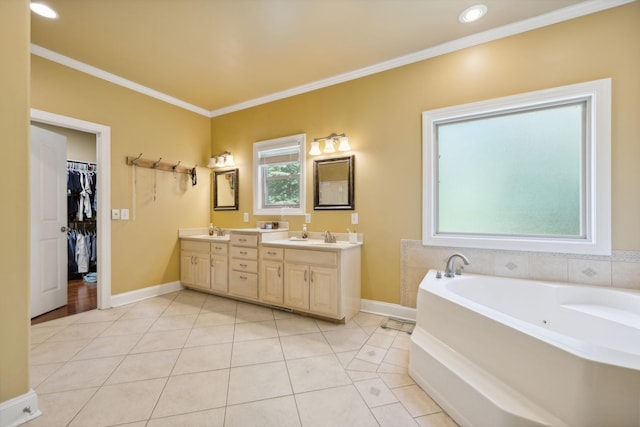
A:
(271, 283)
(187, 268)
(203, 270)
(296, 286)
(219, 273)
(323, 290)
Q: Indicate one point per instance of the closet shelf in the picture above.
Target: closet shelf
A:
(158, 164)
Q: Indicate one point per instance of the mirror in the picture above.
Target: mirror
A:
(333, 183)
(225, 190)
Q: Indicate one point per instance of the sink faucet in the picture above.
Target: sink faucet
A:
(218, 231)
(328, 237)
(449, 272)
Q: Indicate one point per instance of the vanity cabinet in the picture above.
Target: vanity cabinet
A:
(194, 264)
(325, 283)
(271, 280)
(219, 264)
(243, 280)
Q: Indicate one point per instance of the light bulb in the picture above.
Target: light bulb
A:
(315, 148)
(472, 13)
(344, 144)
(328, 146)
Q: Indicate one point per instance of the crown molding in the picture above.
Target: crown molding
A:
(560, 15)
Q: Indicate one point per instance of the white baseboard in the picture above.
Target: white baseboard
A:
(387, 309)
(19, 410)
(145, 293)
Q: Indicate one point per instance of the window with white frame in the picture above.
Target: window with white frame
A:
(526, 172)
(279, 176)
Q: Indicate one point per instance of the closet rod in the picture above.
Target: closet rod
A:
(157, 164)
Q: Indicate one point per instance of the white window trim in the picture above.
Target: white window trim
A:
(257, 184)
(598, 226)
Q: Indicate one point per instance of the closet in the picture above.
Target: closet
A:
(82, 202)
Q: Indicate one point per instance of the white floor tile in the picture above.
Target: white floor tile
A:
(120, 403)
(334, 407)
(256, 351)
(192, 359)
(210, 418)
(315, 373)
(203, 358)
(257, 382)
(193, 392)
(276, 412)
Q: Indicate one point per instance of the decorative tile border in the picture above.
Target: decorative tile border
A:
(621, 269)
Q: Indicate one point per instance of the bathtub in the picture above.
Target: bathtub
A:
(500, 352)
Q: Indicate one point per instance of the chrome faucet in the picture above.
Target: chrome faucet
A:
(449, 272)
(328, 237)
(218, 231)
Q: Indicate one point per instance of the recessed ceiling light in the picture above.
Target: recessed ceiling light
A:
(472, 13)
(43, 10)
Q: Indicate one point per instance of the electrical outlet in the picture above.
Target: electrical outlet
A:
(115, 214)
(307, 218)
(124, 214)
(245, 217)
(354, 218)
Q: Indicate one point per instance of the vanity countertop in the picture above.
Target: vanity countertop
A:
(206, 238)
(297, 243)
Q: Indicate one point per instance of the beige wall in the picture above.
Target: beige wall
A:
(382, 116)
(14, 244)
(145, 251)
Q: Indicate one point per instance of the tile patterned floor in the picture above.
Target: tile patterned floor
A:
(191, 359)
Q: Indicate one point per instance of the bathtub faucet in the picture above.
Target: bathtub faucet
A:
(449, 272)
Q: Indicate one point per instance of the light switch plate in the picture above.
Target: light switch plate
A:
(307, 218)
(124, 214)
(115, 214)
(354, 218)
(245, 217)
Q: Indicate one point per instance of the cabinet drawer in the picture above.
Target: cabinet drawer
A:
(244, 253)
(276, 254)
(219, 248)
(244, 240)
(243, 284)
(190, 245)
(311, 257)
(244, 265)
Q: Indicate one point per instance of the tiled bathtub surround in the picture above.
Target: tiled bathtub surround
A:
(621, 269)
(191, 359)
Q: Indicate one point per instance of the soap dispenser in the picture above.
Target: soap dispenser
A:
(210, 229)
(305, 234)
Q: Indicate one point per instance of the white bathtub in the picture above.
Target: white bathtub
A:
(498, 352)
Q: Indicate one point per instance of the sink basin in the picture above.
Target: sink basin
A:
(316, 242)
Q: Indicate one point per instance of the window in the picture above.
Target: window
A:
(526, 172)
(279, 176)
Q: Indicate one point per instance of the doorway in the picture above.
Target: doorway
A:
(102, 142)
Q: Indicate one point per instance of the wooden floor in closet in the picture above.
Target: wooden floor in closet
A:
(81, 296)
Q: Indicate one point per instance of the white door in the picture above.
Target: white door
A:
(48, 188)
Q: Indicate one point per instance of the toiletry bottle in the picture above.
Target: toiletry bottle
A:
(210, 229)
(304, 231)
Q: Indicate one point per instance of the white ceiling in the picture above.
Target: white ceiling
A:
(215, 56)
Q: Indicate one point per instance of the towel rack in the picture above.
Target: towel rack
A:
(159, 165)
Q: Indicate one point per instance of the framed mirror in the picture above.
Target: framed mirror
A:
(333, 183)
(225, 190)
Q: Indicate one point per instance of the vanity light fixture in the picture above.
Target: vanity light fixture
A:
(43, 10)
(473, 13)
(221, 160)
(329, 144)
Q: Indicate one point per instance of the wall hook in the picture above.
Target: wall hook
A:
(155, 164)
(133, 161)
(176, 165)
